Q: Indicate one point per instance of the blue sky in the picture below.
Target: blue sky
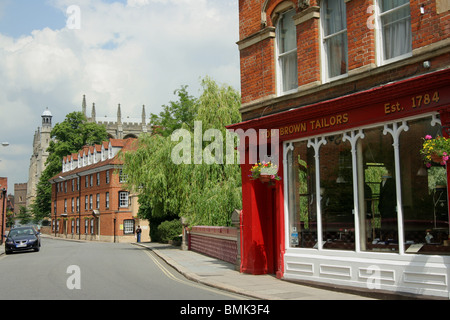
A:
(132, 52)
(20, 17)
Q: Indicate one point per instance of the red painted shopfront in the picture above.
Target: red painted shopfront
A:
(269, 243)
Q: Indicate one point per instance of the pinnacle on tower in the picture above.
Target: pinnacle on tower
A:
(83, 105)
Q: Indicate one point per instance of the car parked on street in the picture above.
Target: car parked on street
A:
(21, 239)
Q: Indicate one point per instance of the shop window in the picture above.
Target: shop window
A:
(334, 38)
(424, 193)
(301, 196)
(287, 52)
(395, 29)
(378, 216)
(376, 194)
(336, 191)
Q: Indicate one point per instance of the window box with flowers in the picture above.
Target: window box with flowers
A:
(435, 150)
(265, 172)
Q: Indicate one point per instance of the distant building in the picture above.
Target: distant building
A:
(41, 141)
(20, 196)
(89, 198)
(116, 130)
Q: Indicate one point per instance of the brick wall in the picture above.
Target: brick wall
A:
(217, 242)
(430, 42)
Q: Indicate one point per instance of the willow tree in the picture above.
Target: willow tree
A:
(204, 193)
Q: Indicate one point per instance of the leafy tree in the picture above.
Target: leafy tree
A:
(24, 216)
(68, 137)
(176, 114)
(203, 193)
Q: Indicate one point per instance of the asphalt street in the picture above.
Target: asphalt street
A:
(70, 270)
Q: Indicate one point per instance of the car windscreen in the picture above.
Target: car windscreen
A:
(21, 232)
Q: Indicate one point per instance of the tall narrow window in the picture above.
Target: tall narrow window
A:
(287, 52)
(334, 26)
(395, 25)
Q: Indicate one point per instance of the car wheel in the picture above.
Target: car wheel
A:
(36, 249)
(8, 252)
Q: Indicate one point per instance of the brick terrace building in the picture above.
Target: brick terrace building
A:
(350, 88)
(89, 200)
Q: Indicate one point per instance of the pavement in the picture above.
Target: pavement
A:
(222, 275)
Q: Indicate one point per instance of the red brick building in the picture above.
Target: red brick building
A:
(89, 198)
(350, 88)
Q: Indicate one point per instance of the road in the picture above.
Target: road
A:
(70, 270)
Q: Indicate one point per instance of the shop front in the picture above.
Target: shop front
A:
(357, 205)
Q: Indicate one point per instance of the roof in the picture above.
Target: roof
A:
(46, 113)
(125, 144)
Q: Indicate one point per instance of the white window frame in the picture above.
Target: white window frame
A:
(128, 226)
(379, 35)
(107, 200)
(324, 59)
(279, 57)
(123, 199)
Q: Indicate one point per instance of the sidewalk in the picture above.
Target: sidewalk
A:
(220, 274)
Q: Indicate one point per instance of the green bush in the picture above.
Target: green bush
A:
(169, 230)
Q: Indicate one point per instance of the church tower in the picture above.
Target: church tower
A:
(41, 141)
(118, 129)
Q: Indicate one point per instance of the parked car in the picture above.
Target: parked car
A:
(22, 238)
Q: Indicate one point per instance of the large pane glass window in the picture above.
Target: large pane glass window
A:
(334, 26)
(287, 52)
(376, 193)
(381, 231)
(302, 196)
(336, 188)
(424, 193)
(395, 23)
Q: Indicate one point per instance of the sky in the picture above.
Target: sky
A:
(127, 52)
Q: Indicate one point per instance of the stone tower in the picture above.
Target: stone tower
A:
(41, 142)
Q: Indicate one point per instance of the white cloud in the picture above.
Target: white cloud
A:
(133, 54)
(137, 3)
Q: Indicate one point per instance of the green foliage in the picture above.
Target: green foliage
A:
(24, 216)
(169, 230)
(177, 114)
(203, 193)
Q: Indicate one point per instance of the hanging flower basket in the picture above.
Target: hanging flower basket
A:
(436, 158)
(435, 150)
(265, 172)
(264, 178)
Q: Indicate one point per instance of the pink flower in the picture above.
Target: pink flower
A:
(428, 165)
(428, 137)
